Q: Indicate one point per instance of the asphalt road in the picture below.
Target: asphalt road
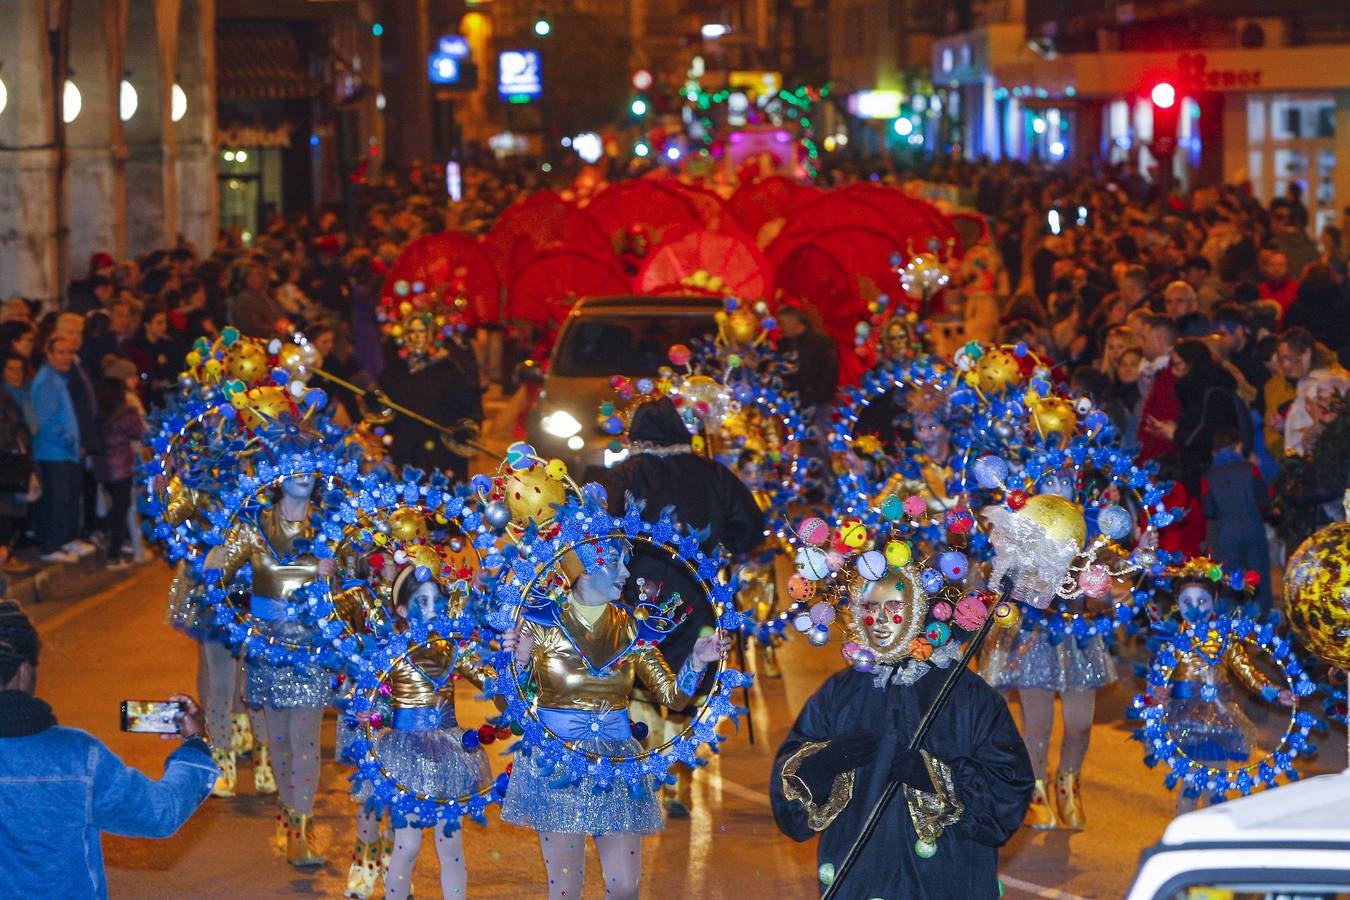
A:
(112, 645)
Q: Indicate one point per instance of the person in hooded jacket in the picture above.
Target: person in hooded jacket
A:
(1209, 402)
(663, 470)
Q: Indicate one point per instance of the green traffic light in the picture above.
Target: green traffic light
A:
(639, 107)
(542, 27)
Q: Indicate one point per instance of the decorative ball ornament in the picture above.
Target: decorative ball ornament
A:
(812, 563)
(813, 531)
(246, 361)
(853, 535)
(1114, 521)
(497, 515)
(1094, 581)
(679, 355)
(1054, 417)
(800, 589)
(872, 565)
(970, 612)
(921, 648)
(1006, 614)
(407, 525)
(1317, 593)
(1061, 519)
(898, 554)
(997, 370)
(532, 495)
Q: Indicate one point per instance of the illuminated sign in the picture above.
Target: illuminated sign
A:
(454, 45)
(518, 76)
(443, 68)
(875, 104)
(756, 83)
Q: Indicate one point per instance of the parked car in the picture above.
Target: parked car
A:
(604, 337)
(1292, 843)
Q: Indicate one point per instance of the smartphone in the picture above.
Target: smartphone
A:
(152, 716)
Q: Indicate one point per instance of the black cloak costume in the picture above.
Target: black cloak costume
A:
(445, 391)
(705, 495)
(973, 735)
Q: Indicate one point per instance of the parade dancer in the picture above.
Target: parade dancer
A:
(585, 654)
(276, 544)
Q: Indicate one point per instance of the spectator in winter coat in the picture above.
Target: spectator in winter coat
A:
(1158, 386)
(115, 466)
(253, 311)
(57, 450)
(1236, 501)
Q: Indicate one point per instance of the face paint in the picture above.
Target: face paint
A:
(1060, 484)
(298, 487)
(1196, 604)
(426, 602)
(606, 582)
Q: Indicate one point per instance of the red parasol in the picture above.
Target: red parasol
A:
(542, 221)
(675, 267)
(757, 203)
(918, 221)
(649, 204)
(449, 262)
(548, 284)
(711, 209)
(812, 268)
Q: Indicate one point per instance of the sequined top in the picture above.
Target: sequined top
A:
(425, 678)
(1194, 667)
(184, 502)
(591, 667)
(264, 544)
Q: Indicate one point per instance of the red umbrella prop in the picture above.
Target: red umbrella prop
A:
(546, 287)
(542, 221)
(811, 268)
(645, 203)
(449, 263)
(757, 203)
(831, 210)
(917, 220)
(711, 209)
(971, 227)
(693, 260)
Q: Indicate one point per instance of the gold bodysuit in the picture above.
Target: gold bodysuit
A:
(263, 545)
(1236, 659)
(423, 678)
(567, 682)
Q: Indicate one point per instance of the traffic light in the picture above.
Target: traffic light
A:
(542, 26)
(1166, 113)
(638, 107)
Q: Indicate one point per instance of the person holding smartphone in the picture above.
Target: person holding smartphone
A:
(61, 788)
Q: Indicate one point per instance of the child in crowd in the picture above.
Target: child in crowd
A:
(1125, 392)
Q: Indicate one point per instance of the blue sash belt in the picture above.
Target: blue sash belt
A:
(582, 724)
(423, 718)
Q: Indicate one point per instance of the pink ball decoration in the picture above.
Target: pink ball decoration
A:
(679, 355)
(822, 614)
(813, 531)
(1095, 581)
(971, 613)
(942, 610)
(850, 650)
(915, 507)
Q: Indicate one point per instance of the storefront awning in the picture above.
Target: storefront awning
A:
(261, 61)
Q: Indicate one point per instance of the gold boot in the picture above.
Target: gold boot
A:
(264, 780)
(770, 667)
(1041, 813)
(1069, 801)
(386, 852)
(229, 772)
(300, 850)
(241, 734)
(365, 870)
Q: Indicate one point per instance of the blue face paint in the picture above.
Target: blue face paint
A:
(1196, 604)
(426, 603)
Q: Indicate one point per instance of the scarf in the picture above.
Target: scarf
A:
(22, 714)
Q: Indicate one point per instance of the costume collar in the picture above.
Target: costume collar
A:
(908, 671)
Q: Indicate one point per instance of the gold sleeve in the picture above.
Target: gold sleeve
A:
(237, 550)
(355, 607)
(1239, 662)
(819, 815)
(181, 505)
(931, 813)
(470, 665)
(654, 672)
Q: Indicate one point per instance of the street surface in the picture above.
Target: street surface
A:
(104, 647)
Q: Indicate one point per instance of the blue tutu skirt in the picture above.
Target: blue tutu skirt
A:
(540, 797)
(1025, 658)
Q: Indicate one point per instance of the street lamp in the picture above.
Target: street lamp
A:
(127, 101)
(71, 101)
(177, 103)
(714, 30)
(1163, 95)
(542, 26)
(641, 150)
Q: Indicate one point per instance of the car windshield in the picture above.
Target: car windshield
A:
(625, 344)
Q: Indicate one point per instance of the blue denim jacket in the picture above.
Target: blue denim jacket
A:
(61, 787)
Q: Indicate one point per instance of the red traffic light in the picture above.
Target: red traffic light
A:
(1164, 95)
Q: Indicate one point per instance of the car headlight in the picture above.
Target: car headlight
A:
(560, 423)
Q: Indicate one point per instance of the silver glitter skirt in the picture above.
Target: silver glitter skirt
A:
(1022, 658)
(287, 686)
(433, 762)
(1214, 732)
(539, 797)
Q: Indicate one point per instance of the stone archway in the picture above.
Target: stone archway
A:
(28, 158)
(93, 142)
(195, 133)
(151, 211)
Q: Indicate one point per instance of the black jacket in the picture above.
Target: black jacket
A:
(705, 494)
(817, 374)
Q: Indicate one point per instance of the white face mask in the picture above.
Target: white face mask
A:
(298, 487)
(876, 611)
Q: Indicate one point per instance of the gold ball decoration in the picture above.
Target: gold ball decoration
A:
(247, 361)
(260, 405)
(997, 370)
(531, 495)
(407, 525)
(1062, 520)
(742, 327)
(424, 555)
(1055, 416)
(1317, 593)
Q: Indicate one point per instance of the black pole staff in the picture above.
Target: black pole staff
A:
(893, 788)
(418, 417)
(749, 713)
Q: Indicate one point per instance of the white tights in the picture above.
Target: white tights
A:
(407, 843)
(293, 735)
(1038, 719)
(218, 675)
(565, 860)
